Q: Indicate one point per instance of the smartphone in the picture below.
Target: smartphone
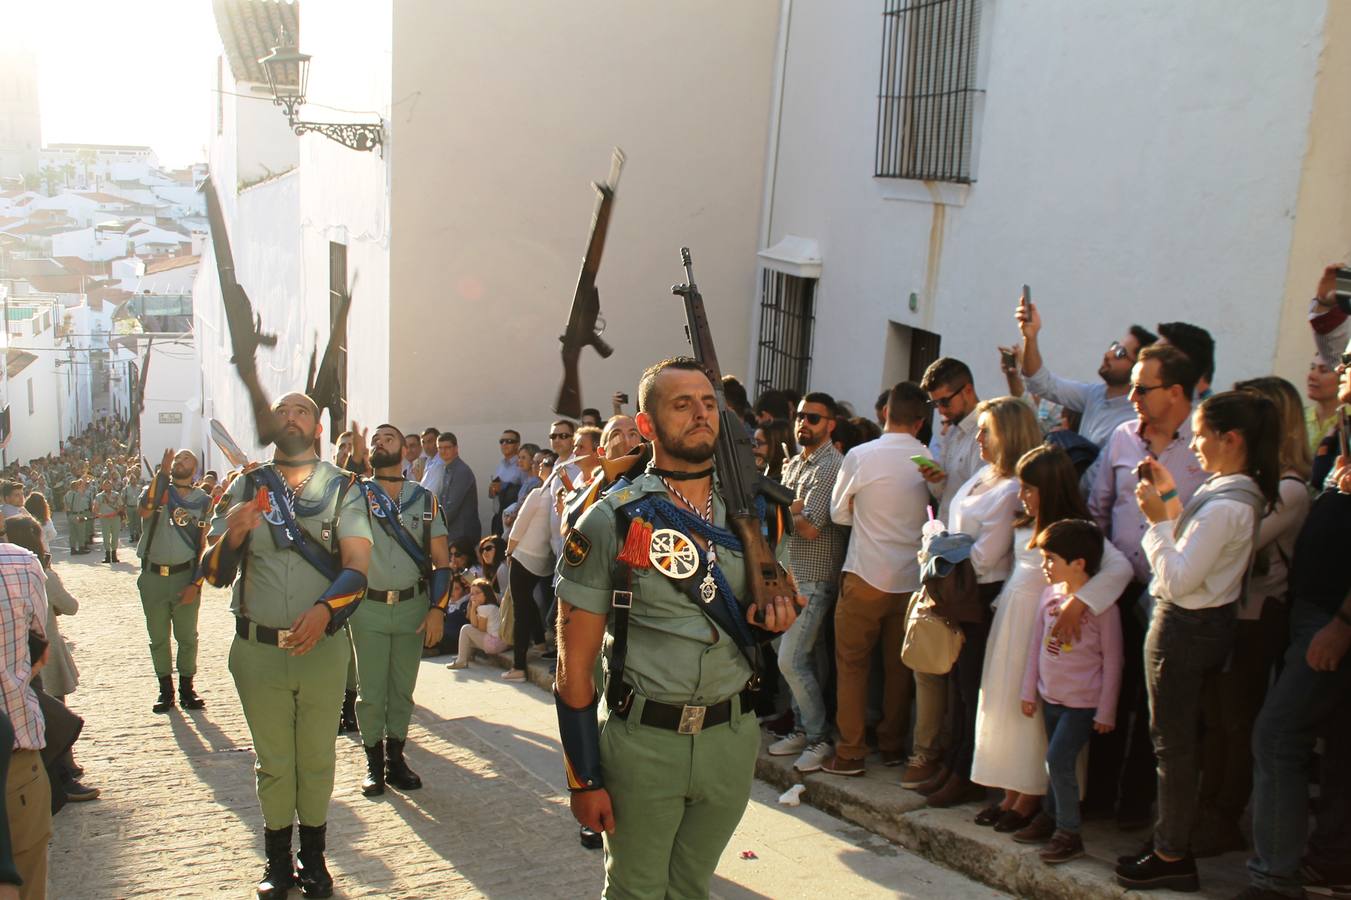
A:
(1027, 294)
(1008, 359)
(1144, 471)
(623, 398)
(925, 463)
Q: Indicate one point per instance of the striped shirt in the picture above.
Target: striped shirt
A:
(23, 608)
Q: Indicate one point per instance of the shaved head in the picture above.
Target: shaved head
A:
(295, 397)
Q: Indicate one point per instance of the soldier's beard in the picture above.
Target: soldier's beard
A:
(687, 452)
(381, 459)
(294, 442)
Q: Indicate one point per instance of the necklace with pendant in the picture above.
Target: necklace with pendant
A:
(708, 588)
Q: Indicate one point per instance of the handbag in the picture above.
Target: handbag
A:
(506, 628)
(931, 642)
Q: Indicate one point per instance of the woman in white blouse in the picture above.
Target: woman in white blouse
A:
(1199, 557)
(984, 508)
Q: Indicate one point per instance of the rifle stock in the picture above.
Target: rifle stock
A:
(740, 482)
(585, 324)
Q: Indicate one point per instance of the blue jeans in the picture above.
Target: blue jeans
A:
(797, 660)
(1067, 733)
(1298, 705)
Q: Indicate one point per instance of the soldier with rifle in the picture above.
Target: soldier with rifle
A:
(405, 608)
(175, 514)
(674, 575)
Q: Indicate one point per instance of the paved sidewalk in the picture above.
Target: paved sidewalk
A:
(178, 816)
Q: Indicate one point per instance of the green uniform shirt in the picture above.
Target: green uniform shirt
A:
(392, 569)
(676, 654)
(169, 548)
(131, 495)
(277, 584)
(106, 504)
(77, 501)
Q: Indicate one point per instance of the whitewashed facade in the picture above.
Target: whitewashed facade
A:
(1132, 162)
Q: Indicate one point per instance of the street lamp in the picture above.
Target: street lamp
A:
(288, 75)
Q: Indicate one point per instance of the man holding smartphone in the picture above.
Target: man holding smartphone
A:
(952, 390)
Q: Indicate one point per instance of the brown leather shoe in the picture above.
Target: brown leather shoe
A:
(919, 772)
(957, 790)
(1038, 831)
(1063, 847)
(939, 779)
(843, 765)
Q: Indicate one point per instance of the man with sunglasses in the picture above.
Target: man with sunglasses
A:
(1162, 384)
(952, 390)
(1103, 405)
(507, 477)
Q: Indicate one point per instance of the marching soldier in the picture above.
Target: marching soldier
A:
(670, 775)
(404, 610)
(297, 534)
(175, 515)
(77, 503)
(108, 511)
(131, 498)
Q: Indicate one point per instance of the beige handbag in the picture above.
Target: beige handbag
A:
(931, 642)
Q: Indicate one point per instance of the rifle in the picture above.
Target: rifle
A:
(585, 325)
(246, 333)
(740, 481)
(138, 407)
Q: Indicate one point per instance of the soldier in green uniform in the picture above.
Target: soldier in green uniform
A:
(108, 514)
(175, 514)
(297, 534)
(405, 606)
(131, 498)
(668, 775)
(78, 507)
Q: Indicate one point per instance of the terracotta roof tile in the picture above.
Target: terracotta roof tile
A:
(249, 29)
(173, 262)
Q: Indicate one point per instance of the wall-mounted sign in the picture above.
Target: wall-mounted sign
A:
(171, 418)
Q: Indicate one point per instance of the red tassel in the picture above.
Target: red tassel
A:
(635, 552)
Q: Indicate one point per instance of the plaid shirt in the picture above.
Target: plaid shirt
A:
(23, 608)
(812, 480)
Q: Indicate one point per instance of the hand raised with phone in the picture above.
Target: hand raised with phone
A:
(1029, 320)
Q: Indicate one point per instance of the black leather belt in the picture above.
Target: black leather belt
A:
(685, 719)
(261, 633)
(165, 571)
(393, 597)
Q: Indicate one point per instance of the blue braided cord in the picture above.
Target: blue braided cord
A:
(669, 514)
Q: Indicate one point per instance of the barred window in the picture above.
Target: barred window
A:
(786, 318)
(927, 93)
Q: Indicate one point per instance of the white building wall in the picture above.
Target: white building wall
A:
(1135, 163)
(264, 144)
(173, 398)
(500, 122)
(91, 244)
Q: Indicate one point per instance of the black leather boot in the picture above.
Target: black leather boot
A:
(397, 772)
(374, 783)
(278, 874)
(311, 873)
(166, 695)
(187, 696)
(348, 722)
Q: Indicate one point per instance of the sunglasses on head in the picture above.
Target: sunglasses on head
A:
(812, 418)
(505, 441)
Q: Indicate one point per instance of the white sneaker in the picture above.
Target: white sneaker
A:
(792, 745)
(812, 758)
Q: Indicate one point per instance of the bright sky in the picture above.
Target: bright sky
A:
(129, 72)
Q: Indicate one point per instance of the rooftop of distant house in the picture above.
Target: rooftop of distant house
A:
(249, 29)
(110, 148)
(173, 262)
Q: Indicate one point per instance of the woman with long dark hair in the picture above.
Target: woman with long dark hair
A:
(1199, 556)
(1011, 747)
(772, 446)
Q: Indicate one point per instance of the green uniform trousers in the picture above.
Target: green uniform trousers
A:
(159, 602)
(78, 538)
(677, 799)
(292, 704)
(110, 530)
(388, 653)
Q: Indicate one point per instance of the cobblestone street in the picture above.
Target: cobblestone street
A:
(178, 815)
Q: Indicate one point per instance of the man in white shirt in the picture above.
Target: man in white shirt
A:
(432, 462)
(952, 391)
(881, 493)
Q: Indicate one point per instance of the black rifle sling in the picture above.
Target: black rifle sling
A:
(616, 693)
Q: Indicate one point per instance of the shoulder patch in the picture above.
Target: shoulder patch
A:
(576, 548)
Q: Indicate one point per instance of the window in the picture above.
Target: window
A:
(927, 94)
(785, 346)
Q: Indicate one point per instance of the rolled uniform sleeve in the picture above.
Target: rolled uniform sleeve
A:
(585, 579)
(354, 519)
(219, 524)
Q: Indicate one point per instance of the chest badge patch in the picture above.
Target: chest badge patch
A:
(576, 548)
(673, 554)
(182, 518)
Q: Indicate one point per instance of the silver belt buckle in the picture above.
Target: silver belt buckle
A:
(391, 597)
(691, 719)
